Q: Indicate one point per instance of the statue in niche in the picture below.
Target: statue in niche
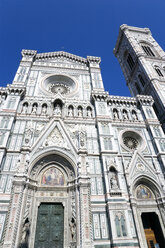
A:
(115, 114)
(80, 113)
(44, 109)
(134, 116)
(72, 225)
(89, 112)
(70, 111)
(125, 115)
(25, 107)
(113, 179)
(57, 110)
(25, 234)
(34, 109)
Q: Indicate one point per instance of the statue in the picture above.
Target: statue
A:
(70, 111)
(125, 115)
(115, 114)
(57, 110)
(134, 116)
(34, 109)
(24, 110)
(113, 181)
(72, 225)
(89, 112)
(25, 234)
(44, 109)
(80, 112)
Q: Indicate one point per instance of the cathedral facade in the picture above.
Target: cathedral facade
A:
(81, 168)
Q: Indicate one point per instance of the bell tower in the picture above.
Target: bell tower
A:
(143, 63)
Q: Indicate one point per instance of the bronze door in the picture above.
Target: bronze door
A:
(50, 226)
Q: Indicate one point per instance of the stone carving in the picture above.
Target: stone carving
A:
(56, 139)
(57, 110)
(28, 134)
(34, 109)
(25, 107)
(125, 115)
(70, 111)
(25, 234)
(44, 109)
(82, 139)
(115, 114)
(134, 116)
(89, 112)
(80, 112)
(113, 181)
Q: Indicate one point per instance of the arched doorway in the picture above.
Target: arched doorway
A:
(50, 203)
(148, 217)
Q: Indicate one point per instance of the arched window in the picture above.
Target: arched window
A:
(148, 50)
(141, 80)
(160, 74)
(134, 115)
(130, 61)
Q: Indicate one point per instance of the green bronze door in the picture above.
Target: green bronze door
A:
(50, 226)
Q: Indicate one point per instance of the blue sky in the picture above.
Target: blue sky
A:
(81, 27)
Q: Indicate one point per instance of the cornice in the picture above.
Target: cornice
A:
(145, 100)
(60, 54)
(100, 95)
(122, 100)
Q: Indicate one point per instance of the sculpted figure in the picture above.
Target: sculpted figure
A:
(25, 234)
(44, 109)
(72, 225)
(70, 111)
(80, 112)
(113, 181)
(57, 110)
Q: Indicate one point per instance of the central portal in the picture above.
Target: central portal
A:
(50, 226)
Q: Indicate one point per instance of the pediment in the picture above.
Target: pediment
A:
(138, 166)
(54, 136)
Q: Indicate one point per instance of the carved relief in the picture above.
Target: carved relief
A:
(56, 139)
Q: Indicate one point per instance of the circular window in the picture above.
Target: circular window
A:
(132, 140)
(55, 84)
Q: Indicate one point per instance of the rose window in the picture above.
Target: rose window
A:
(130, 142)
(61, 84)
(59, 88)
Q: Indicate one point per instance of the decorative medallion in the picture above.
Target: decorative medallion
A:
(130, 142)
(140, 167)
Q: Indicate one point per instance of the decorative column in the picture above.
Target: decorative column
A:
(86, 237)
